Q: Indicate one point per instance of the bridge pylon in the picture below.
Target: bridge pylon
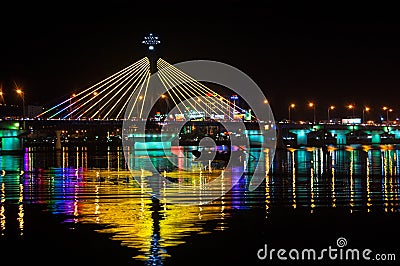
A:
(151, 41)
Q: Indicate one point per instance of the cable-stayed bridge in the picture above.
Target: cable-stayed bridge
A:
(108, 99)
(150, 92)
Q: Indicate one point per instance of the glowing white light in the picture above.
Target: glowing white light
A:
(151, 41)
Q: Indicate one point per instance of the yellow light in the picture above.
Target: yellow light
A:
(19, 91)
(311, 104)
(292, 105)
(331, 107)
(265, 101)
(198, 99)
(140, 97)
(385, 108)
(390, 110)
(95, 93)
(367, 109)
(163, 96)
(73, 95)
(1, 93)
(350, 106)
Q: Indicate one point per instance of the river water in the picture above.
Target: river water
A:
(82, 205)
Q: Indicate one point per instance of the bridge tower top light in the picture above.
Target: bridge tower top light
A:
(151, 41)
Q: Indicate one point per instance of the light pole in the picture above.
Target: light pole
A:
(312, 105)
(163, 96)
(266, 102)
(365, 109)
(95, 93)
(387, 109)
(21, 93)
(70, 104)
(329, 109)
(1, 96)
(351, 107)
(291, 106)
(138, 102)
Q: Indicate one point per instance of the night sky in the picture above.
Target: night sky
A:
(332, 54)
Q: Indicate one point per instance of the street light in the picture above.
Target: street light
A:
(137, 106)
(21, 93)
(365, 109)
(351, 107)
(329, 109)
(291, 106)
(163, 96)
(312, 105)
(1, 96)
(387, 109)
(70, 104)
(95, 93)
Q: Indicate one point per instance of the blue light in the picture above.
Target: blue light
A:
(151, 47)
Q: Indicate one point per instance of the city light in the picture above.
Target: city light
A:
(312, 105)
(351, 107)
(291, 106)
(366, 109)
(332, 107)
(388, 110)
(21, 93)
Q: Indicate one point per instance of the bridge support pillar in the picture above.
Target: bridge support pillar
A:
(58, 140)
(341, 138)
(301, 135)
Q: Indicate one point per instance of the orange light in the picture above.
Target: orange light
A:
(385, 108)
(350, 106)
(19, 91)
(73, 95)
(265, 101)
(367, 109)
(311, 104)
(95, 93)
(163, 96)
(292, 105)
(140, 97)
(331, 107)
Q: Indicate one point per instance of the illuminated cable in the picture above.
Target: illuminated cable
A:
(111, 77)
(118, 92)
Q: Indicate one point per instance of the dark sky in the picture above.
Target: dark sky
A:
(332, 54)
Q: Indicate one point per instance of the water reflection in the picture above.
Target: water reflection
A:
(88, 187)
